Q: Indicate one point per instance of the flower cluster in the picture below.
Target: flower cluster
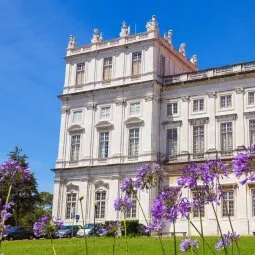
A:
(127, 185)
(112, 228)
(157, 225)
(227, 240)
(5, 214)
(122, 204)
(47, 226)
(13, 173)
(188, 244)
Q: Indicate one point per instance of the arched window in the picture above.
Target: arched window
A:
(100, 199)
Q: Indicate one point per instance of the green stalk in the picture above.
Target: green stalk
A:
(142, 210)
(175, 250)
(190, 236)
(53, 248)
(161, 244)
(125, 228)
(113, 247)
(202, 230)
(3, 220)
(83, 222)
(192, 224)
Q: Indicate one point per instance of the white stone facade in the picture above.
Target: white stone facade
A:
(137, 99)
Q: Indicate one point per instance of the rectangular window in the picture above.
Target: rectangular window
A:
(251, 97)
(103, 144)
(131, 213)
(226, 134)
(105, 112)
(107, 74)
(75, 147)
(228, 204)
(252, 131)
(100, 198)
(133, 142)
(201, 207)
(198, 141)
(253, 203)
(162, 66)
(172, 141)
(77, 116)
(80, 74)
(172, 109)
(70, 205)
(226, 101)
(136, 63)
(134, 108)
(198, 105)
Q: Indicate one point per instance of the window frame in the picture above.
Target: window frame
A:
(71, 202)
(105, 67)
(198, 110)
(196, 210)
(134, 61)
(248, 98)
(134, 103)
(229, 200)
(132, 212)
(198, 136)
(168, 144)
(104, 157)
(110, 112)
(101, 191)
(226, 152)
(225, 101)
(82, 75)
(171, 112)
(73, 116)
(72, 158)
(134, 139)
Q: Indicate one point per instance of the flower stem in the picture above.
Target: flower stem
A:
(175, 251)
(142, 210)
(113, 247)
(3, 220)
(125, 229)
(190, 236)
(192, 224)
(161, 244)
(202, 230)
(83, 222)
(53, 248)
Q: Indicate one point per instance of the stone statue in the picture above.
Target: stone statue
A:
(182, 49)
(125, 30)
(96, 37)
(193, 60)
(72, 42)
(152, 25)
(169, 36)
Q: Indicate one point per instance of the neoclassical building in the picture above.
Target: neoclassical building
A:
(137, 99)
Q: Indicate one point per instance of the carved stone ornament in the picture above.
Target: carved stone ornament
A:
(65, 109)
(199, 121)
(185, 98)
(76, 128)
(101, 184)
(227, 117)
(125, 30)
(96, 37)
(120, 101)
(149, 97)
(152, 25)
(182, 49)
(72, 42)
(249, 115)
(193, 60)
(240, 90)
(71, 187)
(91, 106)
(104, 124)
(211, 94)
(134, 121)
(176, 123)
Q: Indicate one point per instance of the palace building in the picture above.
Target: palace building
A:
(137, 99)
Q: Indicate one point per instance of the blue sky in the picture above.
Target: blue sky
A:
(34, 36)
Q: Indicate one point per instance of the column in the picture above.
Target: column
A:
(184, 134)
(114, 193)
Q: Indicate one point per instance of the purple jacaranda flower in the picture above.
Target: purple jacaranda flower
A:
(112, 228)
(157, 226)
(47, 226)
(122, 204)
(127, 186)
(148, 175)
(227, 240)
(243, 166)
(188, 244)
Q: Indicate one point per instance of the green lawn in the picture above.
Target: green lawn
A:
(103, 246)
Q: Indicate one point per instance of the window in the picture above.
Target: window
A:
(105, 112)
(80, 74)
(200, 208)
(228, 203)
(133, 142)
(198, 140)
(75, 147)
(70, 205)
(172, 109)
(252, 131)
(100, 198)
(172, 141)
(253, 202)
(107, 74)
(225, 101)
(226, 138)
(251, 97)
(131, 213)
(162, 65)
(103, 144)
(134, 108)
(77, 116)
(198, 105)
(136, 63)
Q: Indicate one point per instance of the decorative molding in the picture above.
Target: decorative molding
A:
(249, 115)
(71, 187)
(226, 117)
(149, 97)
(134, 121)
(241, 148)
(104, 124)
(199, 121)
(116, 177)
(65, 109)
(239, 90)
(228, 186)
(211, 94)
(176, 123)
(91, 106)
(76, 128)
(101, 184)
(120, 102)
(185, 99)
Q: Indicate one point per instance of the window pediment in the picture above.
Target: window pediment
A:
(71, 187)
(101, 184)
(76, 128)
(134, 121)
(104, 124)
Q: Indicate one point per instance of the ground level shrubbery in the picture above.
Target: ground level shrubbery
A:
(103, 246)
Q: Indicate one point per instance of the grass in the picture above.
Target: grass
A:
(103, 246)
